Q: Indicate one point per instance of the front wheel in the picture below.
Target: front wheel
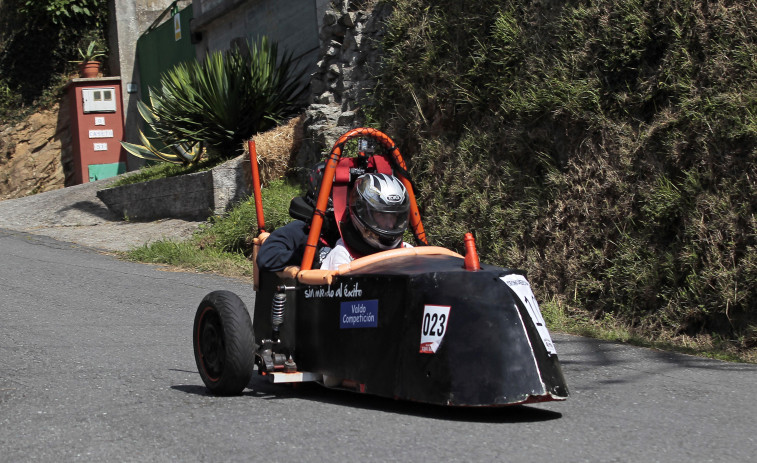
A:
(224, 343)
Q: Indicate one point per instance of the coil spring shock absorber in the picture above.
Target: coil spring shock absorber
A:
(267, 359)
(277, 313)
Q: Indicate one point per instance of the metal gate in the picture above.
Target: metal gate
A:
(163, 46)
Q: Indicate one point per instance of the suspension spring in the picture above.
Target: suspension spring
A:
(277, 309)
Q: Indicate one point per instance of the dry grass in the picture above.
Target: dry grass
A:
(277, 148)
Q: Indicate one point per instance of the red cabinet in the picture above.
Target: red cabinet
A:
(97, 127)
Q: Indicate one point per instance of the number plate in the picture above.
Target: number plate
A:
(522, 289)
(433, 328)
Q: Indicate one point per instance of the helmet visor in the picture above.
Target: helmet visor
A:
(385, 222)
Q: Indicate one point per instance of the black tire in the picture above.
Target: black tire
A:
(224, 343)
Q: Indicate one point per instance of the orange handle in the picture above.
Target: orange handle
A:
(471, 255)
(256, 186)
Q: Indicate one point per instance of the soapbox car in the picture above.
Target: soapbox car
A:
(422, 324)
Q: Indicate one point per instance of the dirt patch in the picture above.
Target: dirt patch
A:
(31, 155)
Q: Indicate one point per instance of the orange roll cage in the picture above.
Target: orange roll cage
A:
(332, 160)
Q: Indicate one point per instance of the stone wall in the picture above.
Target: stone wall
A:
(349, 59)
(194, 196)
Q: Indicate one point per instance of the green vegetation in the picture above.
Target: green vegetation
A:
(186, 154)
(225, 99)
(39, 40)
(163, 170)
(93, 51)
(607, 147)
(222, 244)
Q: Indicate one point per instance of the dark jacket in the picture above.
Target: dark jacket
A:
(285, 246)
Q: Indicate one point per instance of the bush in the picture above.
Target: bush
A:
(607, 147)
(38, 39)
(224, 100)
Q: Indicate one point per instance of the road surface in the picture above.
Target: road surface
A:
(96, 364)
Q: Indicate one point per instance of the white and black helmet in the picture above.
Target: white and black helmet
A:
(379, 209)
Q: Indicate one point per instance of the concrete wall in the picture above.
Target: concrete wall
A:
(294, 24)
(192, 196)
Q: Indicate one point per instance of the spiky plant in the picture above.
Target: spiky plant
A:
(176, 153)
(226, 98)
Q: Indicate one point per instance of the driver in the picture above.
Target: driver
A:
(286, 245)
(379, 208)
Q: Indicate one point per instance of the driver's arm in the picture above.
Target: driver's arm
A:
(285, 246)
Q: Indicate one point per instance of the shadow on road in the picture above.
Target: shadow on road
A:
(594, 352)
(89, 207)
(259, 388)
(597, 365)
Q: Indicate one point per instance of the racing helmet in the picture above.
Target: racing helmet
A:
(379, 208)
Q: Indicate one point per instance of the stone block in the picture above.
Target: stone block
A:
(192, 196)
(348, 19)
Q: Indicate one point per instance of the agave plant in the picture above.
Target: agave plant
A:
(91, 53)
(178, 153)
(225, 99)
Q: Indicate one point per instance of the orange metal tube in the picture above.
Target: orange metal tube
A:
(320, 208)
(415, 216)
(256, 186)
(471, 261)
(328, 179)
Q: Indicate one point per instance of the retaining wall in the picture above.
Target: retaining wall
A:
(192, 196)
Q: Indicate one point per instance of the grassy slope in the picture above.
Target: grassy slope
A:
(607, 147)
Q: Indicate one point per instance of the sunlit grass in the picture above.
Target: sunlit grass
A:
(563, 319)
(164, 170)
(223, 244)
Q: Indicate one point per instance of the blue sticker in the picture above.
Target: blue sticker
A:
(359, 314)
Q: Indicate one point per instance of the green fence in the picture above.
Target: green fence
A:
(161, 48)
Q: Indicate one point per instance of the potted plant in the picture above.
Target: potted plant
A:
(89, 66)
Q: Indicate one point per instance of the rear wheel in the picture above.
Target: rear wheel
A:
(224, 344)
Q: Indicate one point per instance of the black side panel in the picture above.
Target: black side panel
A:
(490, 353)
(485, 357)
(367, 354)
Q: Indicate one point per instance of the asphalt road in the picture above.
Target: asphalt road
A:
(96, 364)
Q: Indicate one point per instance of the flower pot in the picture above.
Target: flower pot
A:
(89, 69)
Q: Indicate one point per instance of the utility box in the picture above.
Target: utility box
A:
(97, 128)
